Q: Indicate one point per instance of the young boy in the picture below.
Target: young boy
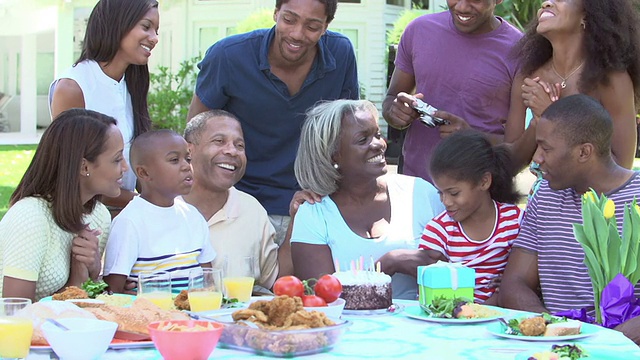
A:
(153, 232)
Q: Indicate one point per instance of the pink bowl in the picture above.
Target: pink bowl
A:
(185, 345)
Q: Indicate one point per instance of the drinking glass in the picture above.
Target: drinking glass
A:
(155, 286)
(239, 275)
(15, 331)
(205, 289)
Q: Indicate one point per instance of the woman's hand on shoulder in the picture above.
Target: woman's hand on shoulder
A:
(300, 197)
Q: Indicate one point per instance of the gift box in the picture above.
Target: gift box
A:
(450, 280)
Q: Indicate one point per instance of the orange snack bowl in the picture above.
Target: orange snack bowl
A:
(185, 344)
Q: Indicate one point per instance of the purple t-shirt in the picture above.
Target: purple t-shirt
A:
(467, 75)
(547, 229)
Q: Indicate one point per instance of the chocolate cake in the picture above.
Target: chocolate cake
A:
(365, 290)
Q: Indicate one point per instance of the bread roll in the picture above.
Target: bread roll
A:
(570, 327)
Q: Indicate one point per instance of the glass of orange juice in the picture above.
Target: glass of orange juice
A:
(205, 289)
(15, 331)
(155, 286)
(239, 275)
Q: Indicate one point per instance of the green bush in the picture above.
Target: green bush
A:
(170, 95)
(518, 12)
(259, 19)
(393, 36)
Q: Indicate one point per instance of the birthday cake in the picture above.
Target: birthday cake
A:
(365, 290)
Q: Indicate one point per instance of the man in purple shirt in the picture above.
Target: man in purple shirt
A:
(545, 271)
(459, 62)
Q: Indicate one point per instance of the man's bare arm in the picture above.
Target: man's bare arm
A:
(520, 282)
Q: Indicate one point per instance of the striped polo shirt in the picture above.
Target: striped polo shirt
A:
(487, 256)
(547, 229)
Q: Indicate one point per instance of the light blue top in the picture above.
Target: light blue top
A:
(413, 203)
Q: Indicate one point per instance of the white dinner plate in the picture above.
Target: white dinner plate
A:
(586, 330)
(393, 309)
(416, 312)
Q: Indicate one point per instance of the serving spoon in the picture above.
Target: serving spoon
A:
(56, 323)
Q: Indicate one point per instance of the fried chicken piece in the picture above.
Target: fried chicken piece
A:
(181, 301)
(252, 315)
(534, 326)
(261, 305)
(280, 309)
(310, 319)
(282, 313)
(71, 292)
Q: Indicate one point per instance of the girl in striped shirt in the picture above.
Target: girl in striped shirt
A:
(480, 221)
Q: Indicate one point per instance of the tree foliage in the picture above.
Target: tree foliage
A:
(393, 36)
(518, 12)
(170, 95)
(259, 19)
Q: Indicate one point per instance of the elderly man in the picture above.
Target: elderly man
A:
(238, 224)
(574, 153)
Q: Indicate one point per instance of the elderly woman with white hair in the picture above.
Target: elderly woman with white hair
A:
(363, 212)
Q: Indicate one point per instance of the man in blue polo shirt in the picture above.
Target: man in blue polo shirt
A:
(268, 78)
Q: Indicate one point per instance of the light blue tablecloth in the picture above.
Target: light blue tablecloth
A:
(398, 336)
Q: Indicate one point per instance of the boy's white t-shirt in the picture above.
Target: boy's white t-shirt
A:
(147, 237)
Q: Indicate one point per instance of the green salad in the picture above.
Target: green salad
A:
(94, 288)
(442, 307)
(571, 352)
(564, 352)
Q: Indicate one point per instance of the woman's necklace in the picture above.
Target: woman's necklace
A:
(563, 84)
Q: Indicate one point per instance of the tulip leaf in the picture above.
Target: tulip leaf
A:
(613, 253)
(627, 233)
(595, 271)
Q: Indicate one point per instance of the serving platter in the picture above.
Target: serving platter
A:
(416, 312)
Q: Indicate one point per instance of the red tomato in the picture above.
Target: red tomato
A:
(313, 301)
(329, 288)
(288, 285)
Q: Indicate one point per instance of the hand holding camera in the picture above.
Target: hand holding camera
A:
(426, 112)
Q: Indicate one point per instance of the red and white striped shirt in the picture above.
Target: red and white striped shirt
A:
(488, 257)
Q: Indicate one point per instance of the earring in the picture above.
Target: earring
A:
(336, 166)
(87, 174)
(584, 26)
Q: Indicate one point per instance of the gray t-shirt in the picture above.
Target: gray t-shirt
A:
(547, 228)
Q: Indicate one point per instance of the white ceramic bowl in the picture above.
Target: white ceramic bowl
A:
(332, 310)
(86, 339)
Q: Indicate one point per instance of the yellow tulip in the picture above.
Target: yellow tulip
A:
(589, 196)
(638, 208)
(609, 209)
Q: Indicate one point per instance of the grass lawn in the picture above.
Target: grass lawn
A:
(14, 160)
